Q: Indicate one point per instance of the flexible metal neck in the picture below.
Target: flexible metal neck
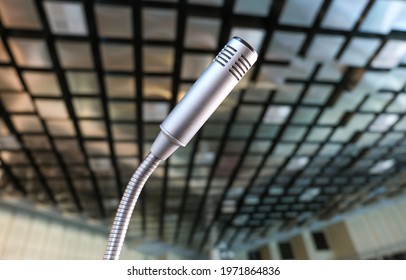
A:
(126, 206)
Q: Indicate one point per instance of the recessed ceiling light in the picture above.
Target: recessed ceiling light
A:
(297, 163)
(383, 122)
(309, 194)
(382, 166)
(276, 114)
(66, 18)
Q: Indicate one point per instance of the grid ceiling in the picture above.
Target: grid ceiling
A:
(315, 129)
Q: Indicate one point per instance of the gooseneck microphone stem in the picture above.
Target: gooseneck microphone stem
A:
(126, 206)
(179, 127)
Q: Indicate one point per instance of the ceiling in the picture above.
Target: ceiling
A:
(315, 129)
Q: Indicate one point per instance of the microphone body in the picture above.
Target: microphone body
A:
(199, 103)
(203, 98)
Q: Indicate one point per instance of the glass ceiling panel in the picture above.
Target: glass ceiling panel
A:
(159, 24)
(383, 16)
(20, 14)
(304, 115)
(319, 134)
(202, 33)
(285, 45)
(74, 54)
(30, 52)
(82, 82)
(377, 103)
(121, 111)
(126, 149)
(300, 13)
(51, 109)
(330, 72)
(124, 131)
(92, 128)
(42, 83)
(117, 57)
(61, 128)
(249, 113)
(17, 102)
(257, 8)
(97, 148)
(114, 21)
(325, 47)
(29, 123)
(87, 107)
(359, 51)
(318, 94)
(157, 87)
(155, 111)
(216, 3)
(120, 86)
(391, 54)
(294, 134)
(398, 104)
(276, 114)
(194, 64)
(158, 59)
(343, 14)
(66, 18)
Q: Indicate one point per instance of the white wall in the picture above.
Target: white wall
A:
(340, 241)
(379, 231)
(25, 235)
(274, 251)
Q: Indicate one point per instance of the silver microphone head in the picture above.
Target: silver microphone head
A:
(203, 98)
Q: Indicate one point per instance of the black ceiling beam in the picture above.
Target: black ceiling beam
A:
(179, 51)
(331, 101)
(136, 8)
(66, 95)
(28, 154)
(270, 21)
(269, 152)
(186, 189)
(197, 221)
(14, 131)
(15, 180)
(313, 30)
(91, 23)
(325, 208)
(234, 19)
(302, 52)
(357, 110)
(351, 34)
(223, 39)
(262, 61)
(237, 168)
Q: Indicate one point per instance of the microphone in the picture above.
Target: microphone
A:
(203, 98)
(179, 127)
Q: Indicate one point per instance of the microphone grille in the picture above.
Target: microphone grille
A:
(225, 55)
(240, 67)
(239, 64)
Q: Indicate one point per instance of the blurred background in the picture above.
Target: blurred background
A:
(304, 160)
